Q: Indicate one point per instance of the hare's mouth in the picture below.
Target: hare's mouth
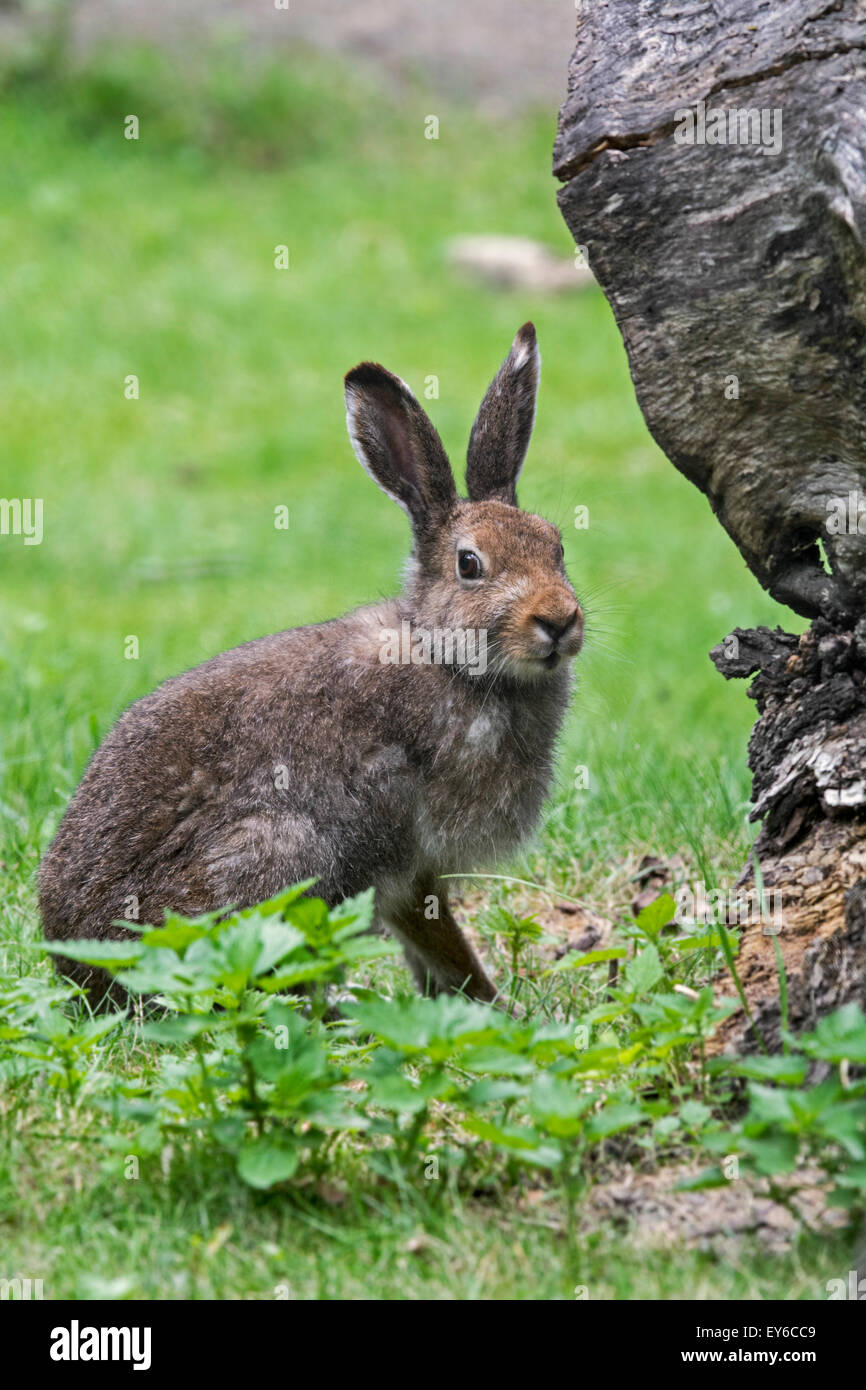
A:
(551, 661)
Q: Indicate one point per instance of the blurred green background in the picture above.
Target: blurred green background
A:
(155, 258)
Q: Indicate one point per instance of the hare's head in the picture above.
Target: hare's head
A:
(480, 563)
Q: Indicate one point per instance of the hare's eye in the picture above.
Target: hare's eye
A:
(468, 565)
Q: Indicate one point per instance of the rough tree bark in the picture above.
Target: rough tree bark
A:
(713, 157)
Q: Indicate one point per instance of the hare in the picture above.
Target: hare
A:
(408, 740)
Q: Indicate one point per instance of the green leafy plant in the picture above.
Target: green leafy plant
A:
(241, 1050)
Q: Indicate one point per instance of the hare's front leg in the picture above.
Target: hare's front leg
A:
(439, 956)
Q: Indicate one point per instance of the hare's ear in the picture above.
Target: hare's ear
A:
(503, 426)
(398, 446)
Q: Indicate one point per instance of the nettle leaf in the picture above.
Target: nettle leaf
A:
(95, 1029)
(572, 962)
(366, 948)
(788, 1069)
(396, 1093)
(699, 1182)
(853, 1176)
(354, 915)
(645, 970)
(277, 940)
(769, 1106)
(656, 915)
(773, 1152)
(234, 957)
(177, 933)
(849, 1198)
(604, 1061)
(519, 1141)
(707, 941)
(264, 1162)
(182, 1028)
(514, 929)
(305, 972)
(613, 1119)
(492, 1091)
(310, 916)
(334, 1109)
(497, 1059)
(666, 1125)
(841, 1036)
(558, 1106)
(694, 1113)
(162, 973)
(107, 955)
(294, 1062)
(542, 1156)
(229, 1131)
(279, 903)
(845, 1124)
(438, 1027)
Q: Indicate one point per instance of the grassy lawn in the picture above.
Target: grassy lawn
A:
(155, 258)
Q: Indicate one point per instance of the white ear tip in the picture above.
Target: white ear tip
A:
(524, 349)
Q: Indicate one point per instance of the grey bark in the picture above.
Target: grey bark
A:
(726, 261)
(736, 271)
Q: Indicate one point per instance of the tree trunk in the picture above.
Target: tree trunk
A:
(714, 167)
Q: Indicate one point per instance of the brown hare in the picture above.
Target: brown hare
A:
(408, 740)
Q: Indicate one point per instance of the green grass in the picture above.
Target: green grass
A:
(155, 258)
(218, 1241)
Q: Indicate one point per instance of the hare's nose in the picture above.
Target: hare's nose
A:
(556, 628)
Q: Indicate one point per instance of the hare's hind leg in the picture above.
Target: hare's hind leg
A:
(439, 956)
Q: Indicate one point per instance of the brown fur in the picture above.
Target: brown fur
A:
(396, 774)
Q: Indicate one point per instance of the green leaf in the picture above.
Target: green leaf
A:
(492, 1090)
(179, 1029)
(494, 1058)
(228, 1131)
(572, 962)
(558, 1105)
(264, 1162)
(694, 1114)
(440, 1027)
(656, 915)
(356, 913)
(277, 940)
(107, 955)
(711, 940)
(519, 1141)
(698, 1182)
(645, 970)
(666, 1125)
(790, 1069)
(277, 905)
(615, 1117)
(845, 1124)
(855, 1176)
(177, 933)
(769, 1106)
(839, 1036)
(774, 1152)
